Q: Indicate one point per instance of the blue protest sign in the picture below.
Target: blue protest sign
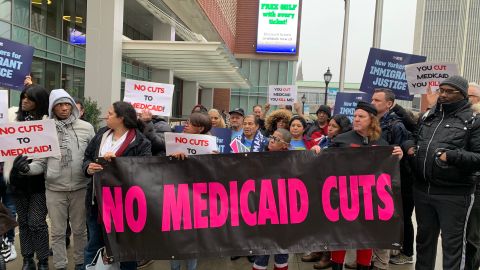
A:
(15, 62)
(386, 69)
(345, 103)
(223, 137)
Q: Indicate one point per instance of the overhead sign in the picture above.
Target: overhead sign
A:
(3, 106)
(282, 94)
(244, 204)
(15, 61)
(386, 69)
(155, 97)
(345, 103)
(35, 139)
(422, 75)
(190, 144)
(277, 26)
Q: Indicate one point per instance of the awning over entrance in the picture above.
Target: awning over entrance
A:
(208, 63)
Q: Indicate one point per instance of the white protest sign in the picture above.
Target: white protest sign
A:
(34, 139)
(282, 94)
(421, 75)
(3, 106)
(156, 97)
(190, 144)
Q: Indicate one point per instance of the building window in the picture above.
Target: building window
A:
(5, 30)
(73, 80)
(6, 10)
(75, 21)
(21, 12)
(46, 17)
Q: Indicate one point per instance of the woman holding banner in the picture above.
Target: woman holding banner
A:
(29, 191)
(121, 137)
(366, 132)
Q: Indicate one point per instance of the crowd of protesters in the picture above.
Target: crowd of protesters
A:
(439, 171)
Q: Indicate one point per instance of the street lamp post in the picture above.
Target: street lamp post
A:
(304, 99)
(327, 76)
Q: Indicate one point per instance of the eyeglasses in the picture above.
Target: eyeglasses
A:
(276, 139)
(447, 91)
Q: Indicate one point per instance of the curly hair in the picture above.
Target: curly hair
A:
(275, 117)
(374, 129)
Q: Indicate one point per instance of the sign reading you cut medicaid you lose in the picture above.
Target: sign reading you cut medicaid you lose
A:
(386, 69)
(155, 97)
(190, 144)
(282, 94)
(15, 62)
(35, 139)
(422, 75)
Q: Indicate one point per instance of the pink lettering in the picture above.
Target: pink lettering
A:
(384, 190)
(135, 193)
(250, 218)
(298, 209)
(349, 213)
(267, 208)
(199, 205)
(234, 204)
(329, 184)
(112, 209)
(176, 209)
(282, 201)
(217, 196)
(367, 182)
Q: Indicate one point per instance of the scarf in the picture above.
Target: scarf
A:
(258, 143)
(64, 139)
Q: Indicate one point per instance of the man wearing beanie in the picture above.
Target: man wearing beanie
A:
(65, 182)
(315, 133)
(446, 154)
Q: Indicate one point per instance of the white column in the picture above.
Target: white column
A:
(189, 97)
(162, 31)
(104, 51)
(207, 97)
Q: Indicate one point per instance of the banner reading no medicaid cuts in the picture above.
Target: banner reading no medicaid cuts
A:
(34, 139)
(155, 97)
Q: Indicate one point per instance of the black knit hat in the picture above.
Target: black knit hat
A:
(325, 109)
(366, 107)
(458, 82)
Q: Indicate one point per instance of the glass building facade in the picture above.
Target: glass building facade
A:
(57, 29)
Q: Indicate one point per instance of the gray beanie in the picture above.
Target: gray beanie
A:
(458, 82)
(62, 100)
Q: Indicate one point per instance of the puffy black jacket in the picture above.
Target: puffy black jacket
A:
(450, 128)
(140, 146)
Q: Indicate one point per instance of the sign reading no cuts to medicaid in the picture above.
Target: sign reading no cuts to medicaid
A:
(15, 62)
(282, 94)
(34, 139)
(190, 144)
(277, 26)
(155, 97)
(386, 69)
(3, 106)
(422, 75)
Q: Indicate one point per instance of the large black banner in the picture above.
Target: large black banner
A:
(255, 203)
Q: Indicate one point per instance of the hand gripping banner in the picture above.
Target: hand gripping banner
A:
(255, 203)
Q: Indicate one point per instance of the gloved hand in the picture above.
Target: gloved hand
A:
(21, 164)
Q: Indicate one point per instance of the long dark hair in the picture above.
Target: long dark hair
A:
(37, 94)
(343, 122)
(126, 110)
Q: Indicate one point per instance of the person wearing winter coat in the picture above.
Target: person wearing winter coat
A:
(64, 180)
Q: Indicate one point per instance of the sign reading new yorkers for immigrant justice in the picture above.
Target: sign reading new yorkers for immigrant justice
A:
(255, 203)
(282, 94)
(3, 106)
(15, 61)
(386, 69)
(155, 97)
(422, 75)
(34, 139)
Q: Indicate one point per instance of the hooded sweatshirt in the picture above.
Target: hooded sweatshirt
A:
(64, 172)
